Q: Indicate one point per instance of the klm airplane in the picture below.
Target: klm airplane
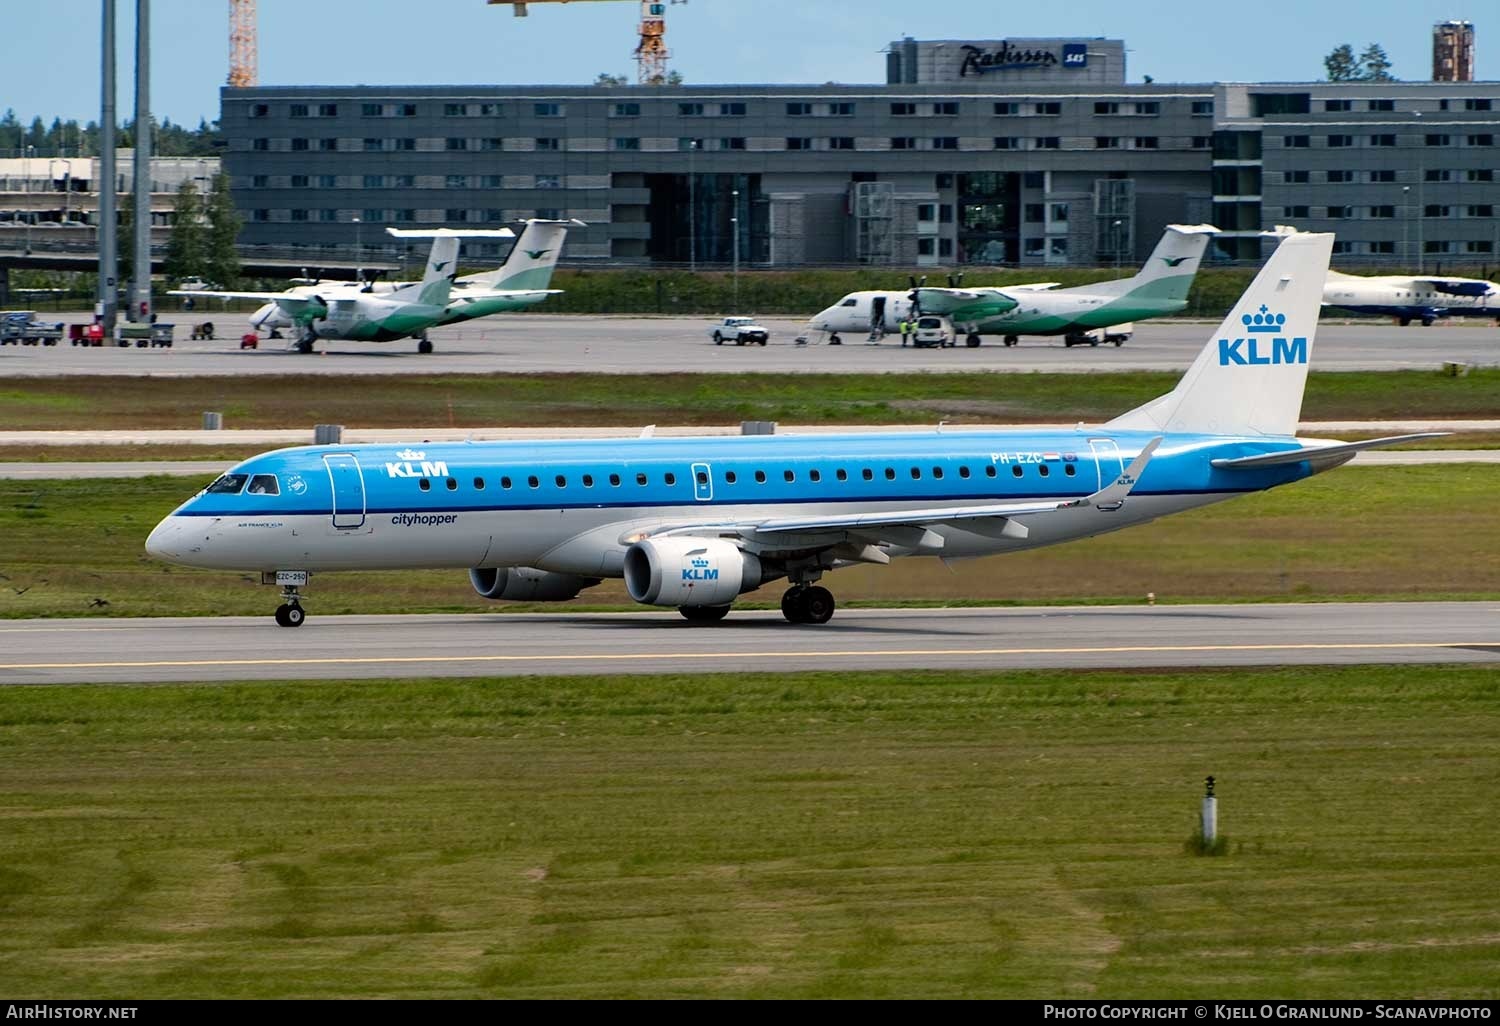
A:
(693, 523)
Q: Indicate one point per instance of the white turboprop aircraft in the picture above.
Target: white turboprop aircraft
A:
(1413, 297)
(520, 281)
(1160, 287)
(350, 313)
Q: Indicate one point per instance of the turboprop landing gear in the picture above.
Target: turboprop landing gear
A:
(424, 344)
(304, 345)
(804, 604)
(834, 340)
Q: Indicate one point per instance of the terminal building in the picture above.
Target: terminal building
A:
(972, 152)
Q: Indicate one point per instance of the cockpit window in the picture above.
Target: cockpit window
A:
(851, 301)
(264, 484)
(228, 484)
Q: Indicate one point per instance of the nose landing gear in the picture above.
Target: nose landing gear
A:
(290, 614)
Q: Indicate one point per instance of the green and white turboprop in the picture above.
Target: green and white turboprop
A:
(1085, 313)
(519, 282)
(359, 314)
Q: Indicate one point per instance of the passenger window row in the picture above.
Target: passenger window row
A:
(730, 477)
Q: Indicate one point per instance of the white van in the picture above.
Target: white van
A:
(932, 331)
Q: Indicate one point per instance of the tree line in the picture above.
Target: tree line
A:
(71, 139)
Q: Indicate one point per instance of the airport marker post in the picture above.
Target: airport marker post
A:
(1210, 815)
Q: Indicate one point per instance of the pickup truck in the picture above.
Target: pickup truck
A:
(20, 327)
(742, 331)
(1119, 334)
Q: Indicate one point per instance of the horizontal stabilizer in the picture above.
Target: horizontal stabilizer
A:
(1338, 452)
(450, 233)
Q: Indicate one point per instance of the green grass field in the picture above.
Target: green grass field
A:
(1397, 532)
(102, 403)
(798, 835)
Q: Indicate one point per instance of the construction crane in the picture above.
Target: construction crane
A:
(651, 52)
(242, 56)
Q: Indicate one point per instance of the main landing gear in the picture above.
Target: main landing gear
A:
(807, 604)
(424, 344)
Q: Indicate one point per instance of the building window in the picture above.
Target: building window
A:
(547, 110)
(1485, 210)
(404, 216)
(731, 110)
(625, 110)
(926, 247)
(548, 213)
(260, 181)
(1338, 213)
(1435, 210)
(1382, 140)
(406, 110)
(1384, 210)
(841, 142)
(799, 110)
(260, 215)
(327, 145)
(1340, 140)
(373, 215)
(406, 181)
(1203, 108)
(328, 181)
(1294, 177)
(1383, 175)
(328, 215)
(456, 214)
(490, 181)
(374, 182)
(1482, 174)
(1337, 106)
(404, 144)
(1103, 109)
(260, 110)
(1382, 104)
(299, 215)
(492, 142)
(945, 142)
(1047, 110)
(623, 143)
(328, 110)
(1295, 142)
(1438, 139)
(549, 181)
(1146, 142)
(1048, 142)
(1058, 250)
(454, 110)
(1294, 211)
(1034, 212)
(1202, 142)
(926, 211)
(370, 110)
(1480, 246)
(297, 110)
(1337, 175)
(798, 143)
(1007, 109)
(945, 109)
(903, 110)
(548, 143)
(373, 145)
(456, 182)
(1106, 142)
(903, 142)
(455, 144)
(1478, 105)
(1480, 140)
(299, 144)
(841, 110)
(299, 181)
(690, 110)
(1059, 213)
(1147, 109)
(1007, 142)
(732, 143)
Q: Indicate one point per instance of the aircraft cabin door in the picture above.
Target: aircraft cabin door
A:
(877, 315)
(1107, 460)
(703, 482)
(348, 491)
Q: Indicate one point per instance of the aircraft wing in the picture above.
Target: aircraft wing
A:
(1039, 286)
(1333, 453)
(265, 297)
(908, 527)
(474, 295)
(1458, 286)
(964, 302)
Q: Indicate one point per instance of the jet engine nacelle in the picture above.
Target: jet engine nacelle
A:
(526, 584)
(689, 572)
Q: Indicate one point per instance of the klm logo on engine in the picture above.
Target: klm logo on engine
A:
(1258, 349)
(700, 571)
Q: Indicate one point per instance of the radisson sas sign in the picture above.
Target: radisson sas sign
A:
(979, 61)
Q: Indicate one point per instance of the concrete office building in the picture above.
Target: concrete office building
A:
(1029, 152)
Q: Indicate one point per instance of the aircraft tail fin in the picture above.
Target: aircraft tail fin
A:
(532, 259)
(1249, 378)
(442, 261)
(1168, 273)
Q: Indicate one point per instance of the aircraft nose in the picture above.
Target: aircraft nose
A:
(164, 541)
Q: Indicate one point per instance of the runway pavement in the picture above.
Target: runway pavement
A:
(244, 648)
(534, 343)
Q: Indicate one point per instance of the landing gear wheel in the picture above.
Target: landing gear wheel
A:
(834, 340)
(290, 614)
(792, 607)
(972, 341)
(304, 345)
(1011, 340)
(424, 345)
(817, 604)
(703, 614)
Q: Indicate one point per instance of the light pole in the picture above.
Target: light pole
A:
(359, 271)
(67, 181)
(1119, 241)
(734, 222)
(692, 207)
(1406, 225)
(1421, 176)
(26, 178)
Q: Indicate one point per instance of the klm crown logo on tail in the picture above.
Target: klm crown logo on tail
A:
(1258, 351)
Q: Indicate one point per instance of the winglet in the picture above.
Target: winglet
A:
(1112, 496)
